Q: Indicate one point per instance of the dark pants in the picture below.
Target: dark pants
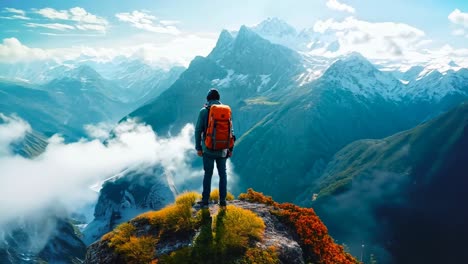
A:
(208, 166)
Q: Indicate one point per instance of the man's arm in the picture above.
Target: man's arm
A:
(199, 129)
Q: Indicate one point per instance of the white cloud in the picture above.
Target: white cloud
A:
(56, 26)
(63, 174)
(179, 50)
(91, 27)
(70, 34)
(15, 11)
(17, 14)
(15, 17)
(79, 14)
(100, 131)
(11, 51)
(11, 129)
(459, 18)
(458, 32)
(391, 44)
(81, 18)
(53, 14)
(381, 40)
(335, 5)
(145, 21)
(164, 53)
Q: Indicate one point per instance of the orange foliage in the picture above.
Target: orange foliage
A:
(317, 244)
(316, 241)
(256, 197)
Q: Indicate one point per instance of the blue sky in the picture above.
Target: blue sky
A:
(106, 24)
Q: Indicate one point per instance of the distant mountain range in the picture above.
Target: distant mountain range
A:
(80, 95)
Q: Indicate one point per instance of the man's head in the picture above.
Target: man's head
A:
(213, 94)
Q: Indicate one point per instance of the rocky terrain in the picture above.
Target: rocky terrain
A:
(254, 229)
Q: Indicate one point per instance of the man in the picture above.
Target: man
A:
(212, 154)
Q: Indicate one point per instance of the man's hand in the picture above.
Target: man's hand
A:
(200, 153)
(229, 153)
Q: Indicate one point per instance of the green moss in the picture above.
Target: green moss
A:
(224, 239)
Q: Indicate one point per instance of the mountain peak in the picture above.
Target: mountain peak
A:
(274, 26)
(249, 53)
(83, 71)
(353, 62)
(245, 32)
(453, 64)
(225, 36)
(355, 57)
(358, 75)
(224, 41)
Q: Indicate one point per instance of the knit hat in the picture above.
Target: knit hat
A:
(213, 94)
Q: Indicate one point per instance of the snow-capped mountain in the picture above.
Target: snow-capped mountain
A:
(142, 82)
(436, 85)
(39, 72)
(133, 80)
(408, 75)
(279, 32)
(306, 40)
(250, 72)
(356, 74)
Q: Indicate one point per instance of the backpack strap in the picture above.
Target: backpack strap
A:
(208, 107)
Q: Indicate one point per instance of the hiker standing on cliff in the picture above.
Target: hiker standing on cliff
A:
(214, 141)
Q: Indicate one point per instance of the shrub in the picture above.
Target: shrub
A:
(183, 255)
(133, 249)
(138, 249)
(234, 227)
(120, 235)
(256, 197)
(187, 198)
(261, 256)
(174, 217)
(318, 245)
(214, 196)
(224, 240)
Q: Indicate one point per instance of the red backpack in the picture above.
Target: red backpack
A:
(218, 134)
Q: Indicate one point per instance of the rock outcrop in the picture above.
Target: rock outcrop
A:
(127, 196)
(249, 230)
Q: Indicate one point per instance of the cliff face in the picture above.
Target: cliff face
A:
(45, 239)
(122, 198)
(253, 229)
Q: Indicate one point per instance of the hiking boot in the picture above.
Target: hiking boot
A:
(203, 204)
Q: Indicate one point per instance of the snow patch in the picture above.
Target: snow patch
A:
(230, 79)
(265, 79)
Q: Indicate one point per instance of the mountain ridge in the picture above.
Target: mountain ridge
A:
(410, 183)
